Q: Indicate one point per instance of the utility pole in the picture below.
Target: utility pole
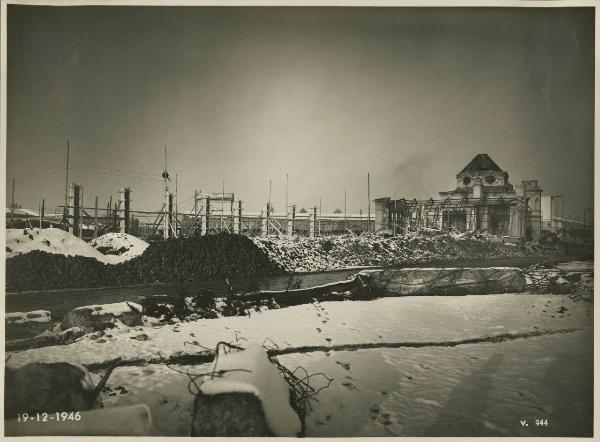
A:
(176, 206)
(369, 205)
(286, 200)
(66, 211)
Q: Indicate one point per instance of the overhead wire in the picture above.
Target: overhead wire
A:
(40, 173)
(131, 172)
(115, 174)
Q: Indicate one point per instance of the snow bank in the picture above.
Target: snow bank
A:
(120, 244)
(57, 241)
(261, 379)
(23, 318)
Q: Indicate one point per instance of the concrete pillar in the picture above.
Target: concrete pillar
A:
(77, 210)
(207, 216)
(290, 221)
(170, 217)
(290, 226)
(237, 221)
(231, 216)
(128, 215)
(95, 217)
(263, 227)
(69, 209)
(122, 220)
(312, 222)
(268, 227)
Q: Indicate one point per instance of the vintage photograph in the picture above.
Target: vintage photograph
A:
(385, 228)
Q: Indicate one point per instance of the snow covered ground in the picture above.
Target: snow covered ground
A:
(397, 381)
(470, 390)
(58, 241)
(385, 320)
(121, 244)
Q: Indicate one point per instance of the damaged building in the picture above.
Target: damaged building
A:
(484, 200)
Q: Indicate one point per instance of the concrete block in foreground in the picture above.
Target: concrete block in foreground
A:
(229, 415)
(247, 397)
(99, 317)
(448, 281)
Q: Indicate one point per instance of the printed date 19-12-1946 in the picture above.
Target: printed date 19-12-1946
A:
(59, 416)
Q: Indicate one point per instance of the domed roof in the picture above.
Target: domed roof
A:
(481, 162)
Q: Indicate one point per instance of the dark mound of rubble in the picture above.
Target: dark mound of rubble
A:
(199, 258)
(38, 270)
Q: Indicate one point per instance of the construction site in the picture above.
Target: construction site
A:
(240, 221)
(484, 201)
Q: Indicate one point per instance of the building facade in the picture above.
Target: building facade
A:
(484, 200)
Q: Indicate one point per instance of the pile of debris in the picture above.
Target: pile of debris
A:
(39, 270)
(199, 258)
(121, 244)
(577, 285)
(303, 254)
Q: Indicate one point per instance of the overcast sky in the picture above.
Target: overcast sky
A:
(325, 95)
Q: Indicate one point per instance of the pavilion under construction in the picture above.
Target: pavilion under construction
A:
(483, 200)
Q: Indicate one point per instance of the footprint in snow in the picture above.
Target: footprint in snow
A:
(318, 329)
(345, 365)
(349, 385)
